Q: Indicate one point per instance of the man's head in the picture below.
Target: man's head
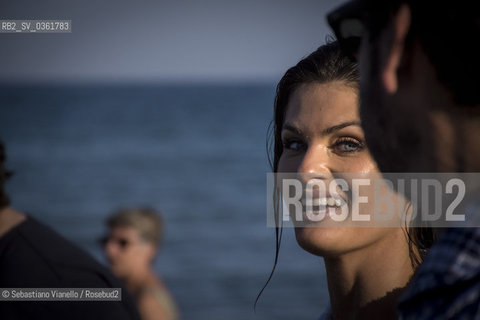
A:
(4, 174)
(419, 63)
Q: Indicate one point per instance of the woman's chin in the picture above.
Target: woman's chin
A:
(322, 241)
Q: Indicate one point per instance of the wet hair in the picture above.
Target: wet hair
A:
(448, 32)
(326, 64)
(4, 175)
(147, 221)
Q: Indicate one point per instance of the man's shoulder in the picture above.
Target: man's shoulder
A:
(447, 284)
(42, 255)
(32, 255)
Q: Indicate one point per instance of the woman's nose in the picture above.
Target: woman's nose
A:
(316, 160)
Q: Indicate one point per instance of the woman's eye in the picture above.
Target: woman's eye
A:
(293, 145)
(348, 145)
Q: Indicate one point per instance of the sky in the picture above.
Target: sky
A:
(182, 40)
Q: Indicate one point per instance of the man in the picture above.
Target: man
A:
(420, 110)
(34, 256)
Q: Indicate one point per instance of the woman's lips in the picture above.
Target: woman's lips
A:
(322, 200)
(321, 208)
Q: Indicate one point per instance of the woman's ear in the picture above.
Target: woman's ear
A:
(151, 251)
(401, 25)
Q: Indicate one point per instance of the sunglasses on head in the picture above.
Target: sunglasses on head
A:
(347, 22)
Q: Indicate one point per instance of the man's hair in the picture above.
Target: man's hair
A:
(4, 175)
(449, 33)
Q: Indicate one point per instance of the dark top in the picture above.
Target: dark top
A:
(447, 284)
(34, 256)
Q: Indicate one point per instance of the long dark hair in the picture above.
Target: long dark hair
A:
(4, 175)
(326, 64)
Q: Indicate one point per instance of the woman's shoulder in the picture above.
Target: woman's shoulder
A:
(156, 296)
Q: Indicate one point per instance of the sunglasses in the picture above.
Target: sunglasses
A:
(347, 22)
(121, 242)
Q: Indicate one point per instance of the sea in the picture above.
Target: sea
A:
(197, 153)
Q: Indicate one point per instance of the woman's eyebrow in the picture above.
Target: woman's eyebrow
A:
(288, 126)
(337, 127)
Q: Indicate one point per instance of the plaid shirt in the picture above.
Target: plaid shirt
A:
(447, 284)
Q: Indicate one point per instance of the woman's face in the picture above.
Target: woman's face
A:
(322, 137)
(126, 251)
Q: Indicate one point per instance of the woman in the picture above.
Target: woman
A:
(131, 246)
(317, 132)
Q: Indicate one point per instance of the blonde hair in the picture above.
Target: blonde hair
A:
(147, 221)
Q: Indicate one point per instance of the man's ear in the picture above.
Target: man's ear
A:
(401, 25)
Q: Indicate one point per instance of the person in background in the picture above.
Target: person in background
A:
(420, 106)
(34, 256)
(318, 134)
(131, 246)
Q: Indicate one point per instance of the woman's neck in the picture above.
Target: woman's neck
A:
(366, 283)
(139, 279)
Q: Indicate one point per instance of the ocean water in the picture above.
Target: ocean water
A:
(197, 153)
